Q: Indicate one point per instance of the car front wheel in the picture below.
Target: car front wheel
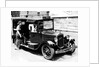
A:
(73, 48)
(47, 52)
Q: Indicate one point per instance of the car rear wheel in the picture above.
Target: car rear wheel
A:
(47, 52)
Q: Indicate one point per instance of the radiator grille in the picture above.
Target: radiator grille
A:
(60, 40)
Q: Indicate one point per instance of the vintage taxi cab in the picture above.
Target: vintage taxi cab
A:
(43, 36)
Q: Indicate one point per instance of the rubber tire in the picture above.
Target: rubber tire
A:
(18, 43)
(51, 50)
(72, 51)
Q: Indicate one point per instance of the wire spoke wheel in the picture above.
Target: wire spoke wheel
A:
(47, 52)
(72, 48)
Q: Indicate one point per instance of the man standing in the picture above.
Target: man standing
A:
(19, 33)
(20, 29)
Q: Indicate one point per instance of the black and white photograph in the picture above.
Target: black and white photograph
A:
(45, 35)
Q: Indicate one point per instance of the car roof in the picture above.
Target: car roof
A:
(21, 18)
(29, 18)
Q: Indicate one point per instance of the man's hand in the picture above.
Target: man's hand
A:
(20, 35)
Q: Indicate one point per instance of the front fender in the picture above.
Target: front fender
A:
(50, 43)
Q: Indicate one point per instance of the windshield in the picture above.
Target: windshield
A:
(47, 24)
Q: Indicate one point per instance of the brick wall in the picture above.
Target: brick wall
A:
(67, 24)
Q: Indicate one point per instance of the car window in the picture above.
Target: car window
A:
(47, 24)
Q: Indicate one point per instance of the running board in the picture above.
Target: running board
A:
(32, 43)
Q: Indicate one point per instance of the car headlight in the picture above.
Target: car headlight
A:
(68, 37)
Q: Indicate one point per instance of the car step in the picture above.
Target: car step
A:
(32, 43)
(28, 41)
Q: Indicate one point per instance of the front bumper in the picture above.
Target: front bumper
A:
(64, 50)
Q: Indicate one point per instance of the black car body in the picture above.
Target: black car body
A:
(44, 37)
